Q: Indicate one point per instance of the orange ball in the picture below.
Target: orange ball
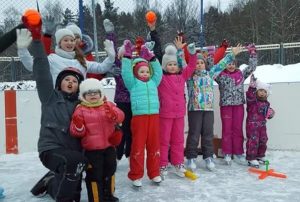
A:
(150, 16)
(33, 16)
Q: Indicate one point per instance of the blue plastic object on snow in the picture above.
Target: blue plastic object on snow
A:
(1, 193)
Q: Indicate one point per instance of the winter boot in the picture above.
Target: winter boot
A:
(253, 163)
(210, 165)
(180, 170)
(163, 171)
(227, 159)
(137, 183)
(240, 159)
(40, 188)
(109, 189)
(262, 160)
(191, 164)
(157, 179)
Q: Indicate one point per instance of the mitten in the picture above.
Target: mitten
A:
(252, 50)
(23, 38)
(109, 48)
(116, 138)
(270, 113)
(192, 48)
(252, 81)
(128, 49)
(146, 53)
(224, 44)
(110, 113)
(33, 22)
(150, 45)
(108, 26)
(49, 25)
(78, 122)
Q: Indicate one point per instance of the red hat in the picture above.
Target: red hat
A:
(137, 67)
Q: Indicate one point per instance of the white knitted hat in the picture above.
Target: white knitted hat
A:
(264, 86)
(59, 34)
(90, 85)
(75, 29)
(169, 56)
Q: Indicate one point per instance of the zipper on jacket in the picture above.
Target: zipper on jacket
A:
(148, 98)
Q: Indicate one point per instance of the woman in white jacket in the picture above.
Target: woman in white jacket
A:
(66, 55)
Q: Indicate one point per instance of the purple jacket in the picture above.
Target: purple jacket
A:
(256, 109)
(171, 91)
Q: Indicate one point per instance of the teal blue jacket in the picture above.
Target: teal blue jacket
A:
(143, 95)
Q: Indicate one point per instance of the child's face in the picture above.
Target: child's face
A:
(261, 94)
(200, 64)
(144, 72)
(67, 43)
(92, 96)
(231, 67)
(172, 67)
(69, 84)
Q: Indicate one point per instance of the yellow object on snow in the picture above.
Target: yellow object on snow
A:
(191, 175)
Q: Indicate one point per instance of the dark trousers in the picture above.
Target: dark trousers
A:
(125, 146)
(201, 123)
(68, 166)
(101, 168)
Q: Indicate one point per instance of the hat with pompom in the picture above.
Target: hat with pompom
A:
(169, 56)
(264, 86)
(75, 29)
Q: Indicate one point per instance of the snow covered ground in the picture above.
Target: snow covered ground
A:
(18, 173)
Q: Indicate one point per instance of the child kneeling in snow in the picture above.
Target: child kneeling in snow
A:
(94, 120)
(258, 110)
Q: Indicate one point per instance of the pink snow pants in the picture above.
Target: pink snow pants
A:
(232, 129)
(171, 137)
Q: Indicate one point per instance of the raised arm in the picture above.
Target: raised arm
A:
(127, 72)
(252, 61)
(9, 38)
(191, 66)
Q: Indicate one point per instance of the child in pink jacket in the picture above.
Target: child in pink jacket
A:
(173, 107)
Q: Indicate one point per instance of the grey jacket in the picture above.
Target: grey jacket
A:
(57, 107)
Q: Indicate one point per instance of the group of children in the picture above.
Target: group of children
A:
(150, 97)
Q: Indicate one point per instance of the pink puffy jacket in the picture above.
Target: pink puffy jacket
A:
(98, 128)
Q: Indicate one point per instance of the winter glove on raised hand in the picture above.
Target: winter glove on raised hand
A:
(128, 48)
(110, 50)
(23, 38)
(252, 50)
(116, 138)
(270, 113)
(110, 113)
(108, 26)
(150, 45)
(146, 53)
(224, 43)
(252, 81)
(49, 25)
(35, 29)
(78, 122)
(192, 48)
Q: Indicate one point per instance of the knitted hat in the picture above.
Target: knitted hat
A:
(66, 72)
(264, 86)
(75, 29)
(90, 85)
(169, 56)
(59, 34)
(200, 56)
(137, 63)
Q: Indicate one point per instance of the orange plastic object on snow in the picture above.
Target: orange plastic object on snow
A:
(33, 16)
(267, 172)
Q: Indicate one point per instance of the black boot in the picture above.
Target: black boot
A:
(40, 188)
(109, 189)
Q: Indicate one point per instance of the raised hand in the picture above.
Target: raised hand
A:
(179, 42)
(23, 38)
(150, 45)
(236, 50)
(108, 26)
(49, 25)
(192, 48)
(33, 22)
(128, 48)
(146, 53)
(109, 48)
(252, 50)
(253, 81)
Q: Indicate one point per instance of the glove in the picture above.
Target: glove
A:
(128, 48)
(252, 81)
(270, 113)
(116, 138)
(49, 25)
(78, 122)
(35, 29)
(108, 26)
(23, 38)
(191, 48)
(110, 113)
(252, 50)
(224, 44)
(150, 45)
(109, 48)
(146, 53)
